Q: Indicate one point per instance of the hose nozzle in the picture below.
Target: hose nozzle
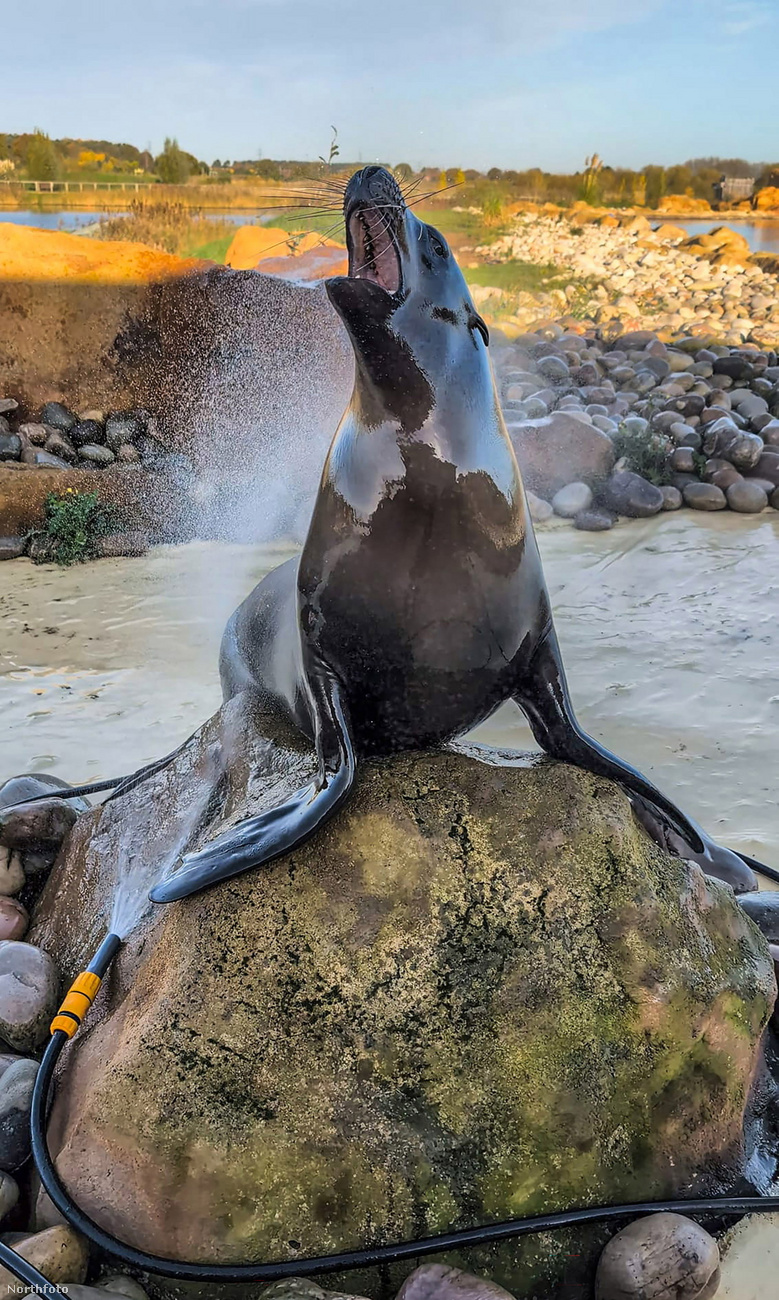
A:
(84, 988)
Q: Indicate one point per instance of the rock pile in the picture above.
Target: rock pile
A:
(656, 278)
(607, 424)
(30, 987)
(61, 439)
(117, 455)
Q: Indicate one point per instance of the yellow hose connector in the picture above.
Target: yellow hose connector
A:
(76, 1004)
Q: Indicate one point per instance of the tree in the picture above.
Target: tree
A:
(655, 185)
(494, 174)
(268, 169)
(679, 179)
(42, 161)
(173, 166)
(403, 172)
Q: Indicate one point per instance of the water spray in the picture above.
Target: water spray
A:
(76, 1006)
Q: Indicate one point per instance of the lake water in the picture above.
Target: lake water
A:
(668, 626)
(72, 220)
(762, 236)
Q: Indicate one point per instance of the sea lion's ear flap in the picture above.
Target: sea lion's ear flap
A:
(476, 323)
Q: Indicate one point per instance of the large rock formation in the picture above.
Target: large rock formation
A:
(480, 992)
(247, 373)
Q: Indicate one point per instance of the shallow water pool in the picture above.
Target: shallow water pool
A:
(669, 630)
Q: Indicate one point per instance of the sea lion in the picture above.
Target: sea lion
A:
(418, 603)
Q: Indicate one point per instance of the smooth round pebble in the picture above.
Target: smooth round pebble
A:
(59, 1253)
(9, 1194)
(763, 909)
(11, 872)
(594, 521)
(747, 497)
(571, 500)
(28, 995)
(16, 1087)
(14, 918)
(704, 496)
(661, 1257)
(120, 1284)
(672, 497)
(540, 510)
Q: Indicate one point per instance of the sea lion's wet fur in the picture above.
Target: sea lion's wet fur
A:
(418, 604)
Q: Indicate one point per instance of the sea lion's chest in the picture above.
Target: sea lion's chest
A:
(423, 601)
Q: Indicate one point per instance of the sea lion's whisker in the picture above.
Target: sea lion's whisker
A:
(430, 193)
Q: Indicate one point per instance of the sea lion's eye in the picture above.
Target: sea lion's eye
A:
(439, 246)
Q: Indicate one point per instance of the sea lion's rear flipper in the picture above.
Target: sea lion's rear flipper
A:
(544, 699)
(260, 839)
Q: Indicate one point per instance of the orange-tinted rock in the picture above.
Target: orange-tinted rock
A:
(679, 205)
(767, 200)
(668, 231)
(316, 264)
(722, 246)
(252, 245)
(29, 254)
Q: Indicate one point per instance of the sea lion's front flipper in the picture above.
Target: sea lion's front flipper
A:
(260, 839)
(544, 699)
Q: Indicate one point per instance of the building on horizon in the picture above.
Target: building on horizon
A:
(733, 189)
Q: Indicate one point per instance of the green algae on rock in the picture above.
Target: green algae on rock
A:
(480, 992)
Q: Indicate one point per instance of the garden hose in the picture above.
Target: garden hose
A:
(66, 1024)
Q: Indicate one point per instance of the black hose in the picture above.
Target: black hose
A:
(368, 1257)
(371, 1256)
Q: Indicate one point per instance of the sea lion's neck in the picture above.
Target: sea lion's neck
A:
(374, 446)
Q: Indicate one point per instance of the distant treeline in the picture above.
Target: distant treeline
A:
(38, 157)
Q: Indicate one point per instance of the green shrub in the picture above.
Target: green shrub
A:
(73, 524)
(646, 453)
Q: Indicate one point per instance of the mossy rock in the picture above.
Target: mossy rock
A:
(480, 992)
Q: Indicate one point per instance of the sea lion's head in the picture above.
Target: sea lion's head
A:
(404, 302)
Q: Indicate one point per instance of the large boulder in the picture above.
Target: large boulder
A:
(559, 449)
(481, 991)
(767, 199)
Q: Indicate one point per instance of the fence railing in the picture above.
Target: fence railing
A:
(52, 187)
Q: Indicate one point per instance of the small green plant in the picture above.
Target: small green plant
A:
(646, 452)
(492, 207)
(333, 152)
(73, 524)
(589, 190)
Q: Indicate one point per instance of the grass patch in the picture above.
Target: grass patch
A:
(73, 523)
(168, 226)
(518, 277)
(214, 250)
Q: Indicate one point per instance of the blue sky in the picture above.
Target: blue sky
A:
(472, 83)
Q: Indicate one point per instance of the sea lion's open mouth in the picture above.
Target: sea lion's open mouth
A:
(373, 252)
